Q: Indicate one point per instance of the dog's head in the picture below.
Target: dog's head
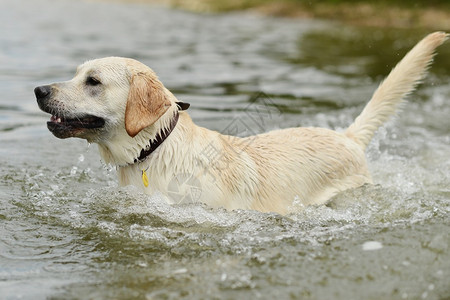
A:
(105, 96)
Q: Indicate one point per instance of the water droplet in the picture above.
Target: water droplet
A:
(372, 245)
(142, 264)
(180, 271)
(73, 171)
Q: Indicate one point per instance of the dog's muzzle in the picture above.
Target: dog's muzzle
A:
(62, 125)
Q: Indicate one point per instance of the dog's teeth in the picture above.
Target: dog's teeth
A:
(55, 119)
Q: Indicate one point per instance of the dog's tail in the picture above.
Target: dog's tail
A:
(400, 82)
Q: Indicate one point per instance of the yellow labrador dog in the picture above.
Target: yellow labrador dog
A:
(141, 128)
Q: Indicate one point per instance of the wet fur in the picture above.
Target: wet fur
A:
(265, 172)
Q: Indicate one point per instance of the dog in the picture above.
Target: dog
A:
(142, 129)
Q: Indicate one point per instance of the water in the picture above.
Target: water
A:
(69, 232)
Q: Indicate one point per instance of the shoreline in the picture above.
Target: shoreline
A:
(362, 13)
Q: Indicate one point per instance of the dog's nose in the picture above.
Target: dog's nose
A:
(42, 91)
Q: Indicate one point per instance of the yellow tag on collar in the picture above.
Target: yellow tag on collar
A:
(144, 178)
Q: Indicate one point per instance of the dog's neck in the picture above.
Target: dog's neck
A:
(126, 151)
(159, 139)
(161, 135)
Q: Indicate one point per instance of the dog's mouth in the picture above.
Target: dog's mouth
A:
(63, 127)
(88, 122)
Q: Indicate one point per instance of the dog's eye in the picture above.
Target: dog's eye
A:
(92, 81)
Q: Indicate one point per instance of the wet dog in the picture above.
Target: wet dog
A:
(141, 128)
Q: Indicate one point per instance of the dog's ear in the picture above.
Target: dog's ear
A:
(146, 103)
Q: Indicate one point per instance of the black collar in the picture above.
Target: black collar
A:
(162, 135)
